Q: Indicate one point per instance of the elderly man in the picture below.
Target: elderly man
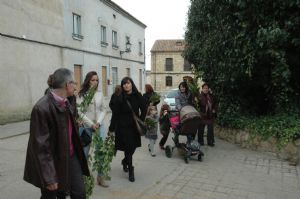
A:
(55, 161)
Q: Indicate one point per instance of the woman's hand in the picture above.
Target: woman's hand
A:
(52, 187)
(165, 112)
(110, 133)
(95, 126)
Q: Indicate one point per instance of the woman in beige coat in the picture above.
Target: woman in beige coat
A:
(93, 118)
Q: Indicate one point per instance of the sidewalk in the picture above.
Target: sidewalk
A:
(14, 129)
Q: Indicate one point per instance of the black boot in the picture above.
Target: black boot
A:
(131, 174)
(125, 166)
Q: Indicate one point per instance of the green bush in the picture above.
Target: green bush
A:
(284, 127)
(248, 51)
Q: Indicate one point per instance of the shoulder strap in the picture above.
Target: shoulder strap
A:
(128, 103)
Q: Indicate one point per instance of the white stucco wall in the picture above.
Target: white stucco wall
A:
(25, 64)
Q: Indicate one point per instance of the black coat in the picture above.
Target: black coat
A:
(113, 101)
(122, 123)
(147, 97)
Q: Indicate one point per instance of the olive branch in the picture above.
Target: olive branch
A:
(103, 150)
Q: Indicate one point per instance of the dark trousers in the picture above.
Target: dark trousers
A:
(128, 157)
(210, 134)
(165, 134)
(77, 190)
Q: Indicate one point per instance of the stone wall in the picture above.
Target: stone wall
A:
(291, 152)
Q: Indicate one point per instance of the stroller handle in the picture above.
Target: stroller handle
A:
(173, 111)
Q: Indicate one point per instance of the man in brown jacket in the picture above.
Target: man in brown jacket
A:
(55, 161)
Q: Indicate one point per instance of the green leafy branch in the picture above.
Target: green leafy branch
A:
(150, 123)
(103, 154)
(155, 98)
(86, 101)
(82, 107)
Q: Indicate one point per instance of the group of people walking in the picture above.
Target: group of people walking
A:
(206, 104)
(56, 159)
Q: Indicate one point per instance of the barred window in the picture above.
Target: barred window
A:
(169, 64)
(169, 81)
(187, 65)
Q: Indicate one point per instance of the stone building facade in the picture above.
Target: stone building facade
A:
(37, 37)
(168, 67)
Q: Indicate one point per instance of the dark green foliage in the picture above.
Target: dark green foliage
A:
(150, 123)
(155, 98)
(103, 154)
(248, 50)
(249, 53)
(284, 127)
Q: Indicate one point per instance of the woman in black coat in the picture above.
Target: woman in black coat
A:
(147, 95)
(122, 123)
(114, 97)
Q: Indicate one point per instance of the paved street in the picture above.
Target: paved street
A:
(227, 171)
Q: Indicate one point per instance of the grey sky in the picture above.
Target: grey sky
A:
(165, 19)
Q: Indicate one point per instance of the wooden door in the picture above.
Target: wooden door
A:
(78, 76)
(104, 80)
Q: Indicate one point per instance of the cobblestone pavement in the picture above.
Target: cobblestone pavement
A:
(227, 171)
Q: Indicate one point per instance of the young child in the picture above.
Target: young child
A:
(151, 134)
(164, 124)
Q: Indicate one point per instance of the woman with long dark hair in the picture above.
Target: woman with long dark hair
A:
(184, 96)
(122, 122)
(208, 109)
(147, 95)
(93, 118)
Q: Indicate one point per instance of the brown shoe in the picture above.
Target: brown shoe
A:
(101, 182)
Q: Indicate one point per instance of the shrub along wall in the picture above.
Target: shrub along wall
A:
(290, 151)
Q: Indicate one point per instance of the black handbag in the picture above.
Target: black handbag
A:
(140, 125)
(86, 137)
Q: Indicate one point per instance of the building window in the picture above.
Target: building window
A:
(128, 72)
(169, 81)
(169, 64)
(140, 79)
(114, 75)
(140, 48)
(127, 39)
(115, 39)
(187, 65)
(77, 27)
(103, 36)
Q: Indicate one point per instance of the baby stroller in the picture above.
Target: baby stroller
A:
(185, 123)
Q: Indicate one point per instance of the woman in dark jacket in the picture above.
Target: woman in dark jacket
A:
(147, 95)
(122, 123)
(184, 96)
(114, 97)
(207, 106)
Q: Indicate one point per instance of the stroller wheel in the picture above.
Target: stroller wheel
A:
(186, 159)
(168, 151)
(200, 158)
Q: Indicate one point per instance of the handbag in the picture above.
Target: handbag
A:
(85, 136)
(139, 124)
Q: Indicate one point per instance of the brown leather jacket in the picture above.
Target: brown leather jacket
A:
(47, 159)
(208, 108)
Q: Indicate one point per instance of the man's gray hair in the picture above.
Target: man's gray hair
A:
(60, 77)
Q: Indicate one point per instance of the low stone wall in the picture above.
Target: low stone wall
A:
(290, 152)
